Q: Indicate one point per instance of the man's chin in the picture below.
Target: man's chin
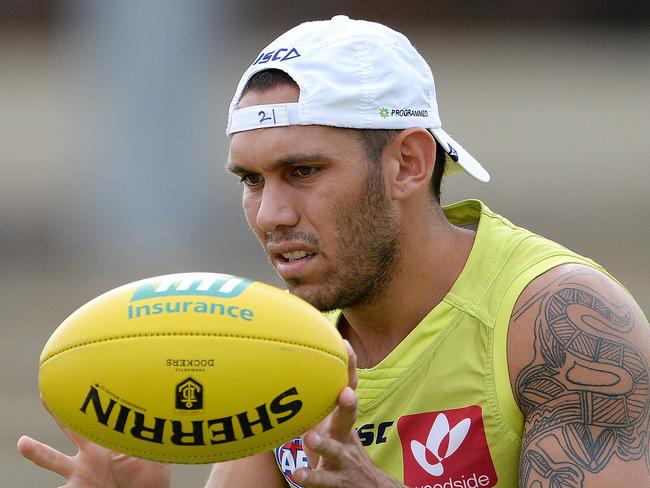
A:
(312, 294)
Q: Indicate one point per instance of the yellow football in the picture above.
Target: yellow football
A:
(193, 368)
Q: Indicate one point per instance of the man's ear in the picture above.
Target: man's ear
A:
(412, 154)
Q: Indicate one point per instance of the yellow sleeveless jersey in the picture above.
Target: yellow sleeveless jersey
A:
(438, 411)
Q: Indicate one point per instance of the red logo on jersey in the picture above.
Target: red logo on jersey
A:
(446, 449)
(290, 456)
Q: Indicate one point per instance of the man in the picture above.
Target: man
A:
(488, 356)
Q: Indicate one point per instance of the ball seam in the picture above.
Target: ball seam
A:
(190, 334)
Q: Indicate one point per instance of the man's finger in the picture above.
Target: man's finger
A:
(314, 479)
(353, 378)
(344, 415)
(328, 449)
(45, 456)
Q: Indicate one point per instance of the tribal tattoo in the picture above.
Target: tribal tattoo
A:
(586, 392)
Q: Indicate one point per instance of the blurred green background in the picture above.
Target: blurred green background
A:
(112, 146)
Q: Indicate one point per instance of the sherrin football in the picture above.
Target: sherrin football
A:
(193, 368)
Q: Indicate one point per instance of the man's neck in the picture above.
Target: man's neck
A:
(430, 263)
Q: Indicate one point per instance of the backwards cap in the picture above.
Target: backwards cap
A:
(353, 74)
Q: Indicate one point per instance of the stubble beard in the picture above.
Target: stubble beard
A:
(368, 252)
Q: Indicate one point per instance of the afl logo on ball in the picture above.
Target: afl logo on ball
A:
(189, 395)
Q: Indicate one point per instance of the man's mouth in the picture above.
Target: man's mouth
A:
(295, 255)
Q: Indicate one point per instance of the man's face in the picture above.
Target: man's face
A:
(318, 207)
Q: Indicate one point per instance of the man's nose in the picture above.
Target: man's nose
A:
(277, 209)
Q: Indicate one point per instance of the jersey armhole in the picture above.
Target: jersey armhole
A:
(510, 413)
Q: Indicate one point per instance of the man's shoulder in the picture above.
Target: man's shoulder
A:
(578, 358)
(505, 261)
(571, 321)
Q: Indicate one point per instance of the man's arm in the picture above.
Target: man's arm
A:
(258, 470)
(97, 467)
(578, 356)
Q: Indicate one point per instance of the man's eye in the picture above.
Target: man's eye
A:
(251, 179)
(305, 170)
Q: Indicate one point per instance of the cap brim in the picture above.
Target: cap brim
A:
(458, 157)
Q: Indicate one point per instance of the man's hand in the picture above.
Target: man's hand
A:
(94, 466)
(334, 449)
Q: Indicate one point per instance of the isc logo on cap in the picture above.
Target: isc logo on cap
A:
(446, 449)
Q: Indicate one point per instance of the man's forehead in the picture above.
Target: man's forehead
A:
(293, 144)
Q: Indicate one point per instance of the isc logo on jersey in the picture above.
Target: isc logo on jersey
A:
(290, 457)
(446, 449)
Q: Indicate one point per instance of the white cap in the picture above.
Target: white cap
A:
(354, 74)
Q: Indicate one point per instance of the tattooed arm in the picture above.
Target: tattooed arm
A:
(579, 356)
